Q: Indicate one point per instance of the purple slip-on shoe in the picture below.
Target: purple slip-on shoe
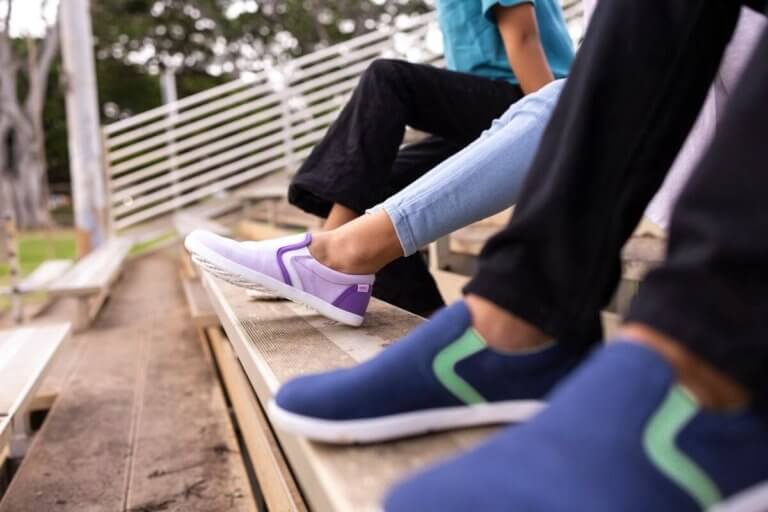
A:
(286, 267)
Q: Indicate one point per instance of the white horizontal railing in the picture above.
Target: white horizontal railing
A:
(225, 137)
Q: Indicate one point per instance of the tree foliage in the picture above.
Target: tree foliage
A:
(231, 36)
(206, 42)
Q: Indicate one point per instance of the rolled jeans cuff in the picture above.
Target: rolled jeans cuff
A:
(402, 227)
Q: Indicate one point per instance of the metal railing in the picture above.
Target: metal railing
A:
(228, 136)
(225, 137)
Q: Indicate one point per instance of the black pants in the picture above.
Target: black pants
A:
(634, 93)
(359, 163)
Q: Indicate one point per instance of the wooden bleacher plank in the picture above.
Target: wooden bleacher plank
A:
(264, 197)
(275, 344)
(94, 272)
(184, 427)
(90, 279)
(252, 230)
(647, 245)
(43, 275)
(450, 284)
(643, 251)
(200, 308)
(272, 186)
(58, 374)
(185, 223)
(141, 423)
(283, 213)
(25, 354)
(470, 240)
(272, 472)
(266, 200)
(262, 192)
(188, 268)
(91, 423)
(5, 436)
(215, 207)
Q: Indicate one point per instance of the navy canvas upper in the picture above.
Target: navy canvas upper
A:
(401, 378)
(586, 452)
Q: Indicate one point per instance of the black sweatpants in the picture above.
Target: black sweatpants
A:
(633, 95)
(359, 162)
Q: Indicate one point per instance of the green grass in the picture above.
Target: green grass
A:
(36, 247)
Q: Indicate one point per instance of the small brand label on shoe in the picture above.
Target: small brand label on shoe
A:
(363, 288)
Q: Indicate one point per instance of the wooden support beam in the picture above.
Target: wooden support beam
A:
(272, 472)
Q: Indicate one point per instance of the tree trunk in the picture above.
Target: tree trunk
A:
(23, 164)
(32, 172)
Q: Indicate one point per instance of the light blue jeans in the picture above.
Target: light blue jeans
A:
(482, 179)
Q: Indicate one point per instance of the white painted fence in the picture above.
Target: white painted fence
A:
(223, 138)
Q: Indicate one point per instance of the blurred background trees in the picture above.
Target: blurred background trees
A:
(201, 42)
(26, 57)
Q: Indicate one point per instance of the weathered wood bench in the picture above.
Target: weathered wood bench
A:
(275, 341)
(36, 282)
(269, 195)
(90, 279)
(457, 253)
(200, 309)
(266, 201)
(25, 355)
(186, 222)
(43, 275)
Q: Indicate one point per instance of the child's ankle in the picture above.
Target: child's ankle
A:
(334, 252)
(502, 330)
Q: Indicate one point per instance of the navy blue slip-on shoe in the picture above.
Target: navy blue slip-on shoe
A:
(618, 435)
(440, 376)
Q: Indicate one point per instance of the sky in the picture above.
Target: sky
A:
(28, 16)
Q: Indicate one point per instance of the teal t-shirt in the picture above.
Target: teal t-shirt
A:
(473, 43)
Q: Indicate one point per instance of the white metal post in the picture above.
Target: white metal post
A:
(85, 142)
(170, 95)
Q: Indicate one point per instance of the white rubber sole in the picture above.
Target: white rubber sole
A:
(754, 499)
(244, 277)
(262, 294)
(402, 425)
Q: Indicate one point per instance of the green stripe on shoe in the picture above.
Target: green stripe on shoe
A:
(659, 442)
(444, 366)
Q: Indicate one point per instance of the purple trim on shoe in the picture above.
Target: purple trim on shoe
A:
(304, 243)
(333, 276)
(354, 299)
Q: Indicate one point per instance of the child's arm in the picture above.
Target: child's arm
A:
(520, 33)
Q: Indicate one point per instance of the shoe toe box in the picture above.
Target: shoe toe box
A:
(316, 396)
